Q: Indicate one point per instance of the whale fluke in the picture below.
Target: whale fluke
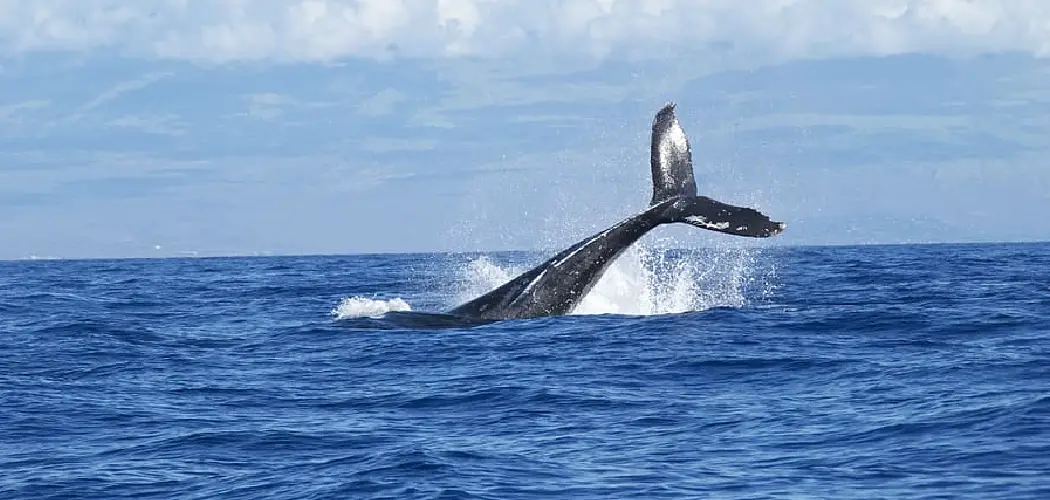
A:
(558, 285)
(671, 157)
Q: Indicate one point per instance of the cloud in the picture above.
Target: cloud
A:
(268, 106)
(167, 124)
(15, 112)
(122, 88)
(112, 94)
(380, 104)
(216, 31)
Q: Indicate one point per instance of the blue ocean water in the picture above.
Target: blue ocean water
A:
(823, 372)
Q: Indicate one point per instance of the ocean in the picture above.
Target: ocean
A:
(901, 371)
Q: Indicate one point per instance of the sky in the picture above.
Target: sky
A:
(240, 127)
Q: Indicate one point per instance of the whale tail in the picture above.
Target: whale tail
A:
(672, 165)
(713, 215)
(671, 158)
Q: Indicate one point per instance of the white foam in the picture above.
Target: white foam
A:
(363, 307)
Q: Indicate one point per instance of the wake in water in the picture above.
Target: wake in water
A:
(643, 281)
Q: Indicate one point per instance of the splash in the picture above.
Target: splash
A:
(480, 276)
(646, 280)
(362, 307)
(652, 280)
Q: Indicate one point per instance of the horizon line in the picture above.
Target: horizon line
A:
(264, 254)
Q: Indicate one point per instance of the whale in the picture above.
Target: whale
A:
(557, 286)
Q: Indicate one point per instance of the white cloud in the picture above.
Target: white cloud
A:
(326, 30)
(166, 124)
(268, 106)
(15, 112)
(122, 88)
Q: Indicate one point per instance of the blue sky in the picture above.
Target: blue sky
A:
(236, 127)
